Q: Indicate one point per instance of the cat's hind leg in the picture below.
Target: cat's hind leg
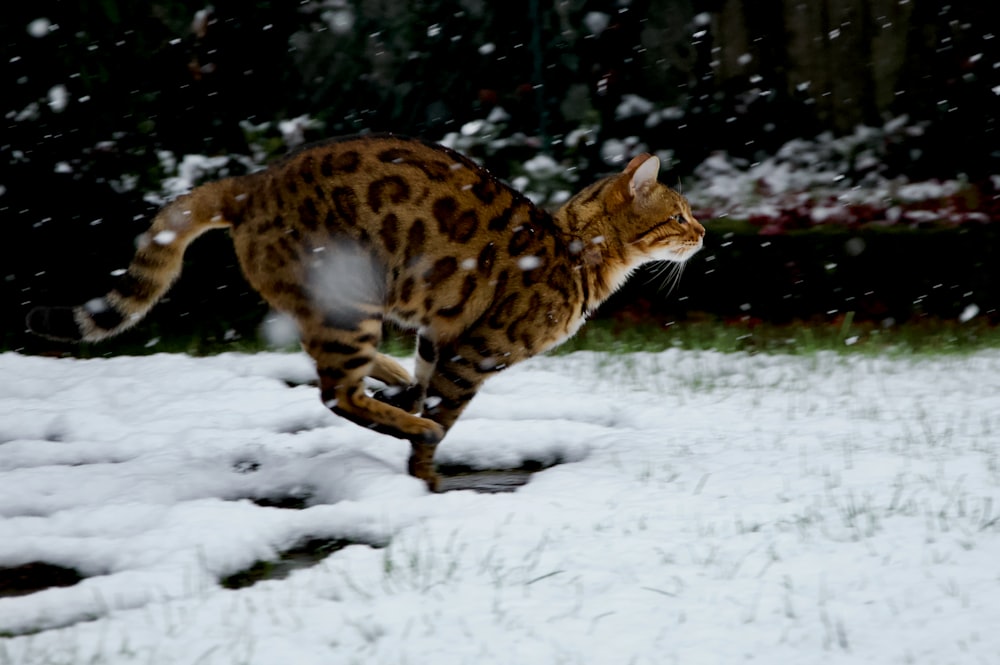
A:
(343, 359)
(410, 396)
(389, 372)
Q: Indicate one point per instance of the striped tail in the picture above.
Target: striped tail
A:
(155, 267)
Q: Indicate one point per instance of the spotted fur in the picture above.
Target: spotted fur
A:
(349, 234)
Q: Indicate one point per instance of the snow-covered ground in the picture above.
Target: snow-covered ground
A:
(708, 508)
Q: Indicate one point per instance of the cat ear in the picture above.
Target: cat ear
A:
(644, 169)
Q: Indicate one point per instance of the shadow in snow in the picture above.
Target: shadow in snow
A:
(290, 502)
(35, 576)
(314, 550)
(487, 481)
(304, 555)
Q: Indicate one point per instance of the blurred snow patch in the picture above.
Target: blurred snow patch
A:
(279, 330)
(970, 312)
(669, 113)
(192, 170)
(473, 127)
(58, 98)
(922, 191)
(96, 306)
(529, 262)
(596, 22)
(617, 152)
(165, 237)
(542, 166)
(821, 214)
(614, 152)
(344, 279)
(560, 197)
(855, 246)
(29, 112)
(39, 27)
(127, 182)
(633, 105)
(340, 19)
(168, 162)
(293, 131)
(498, 115)
(585, 135)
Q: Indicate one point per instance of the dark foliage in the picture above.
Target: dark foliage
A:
(94, 93)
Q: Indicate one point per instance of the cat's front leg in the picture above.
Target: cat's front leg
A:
(454, 373)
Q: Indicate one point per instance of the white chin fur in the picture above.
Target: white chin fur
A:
(675, 255)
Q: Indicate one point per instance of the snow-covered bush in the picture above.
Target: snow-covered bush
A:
(828, 180)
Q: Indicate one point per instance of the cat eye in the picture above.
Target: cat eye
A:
(677, 218)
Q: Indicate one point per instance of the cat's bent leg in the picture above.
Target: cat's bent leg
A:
(389, 372)
(410, 396)
(401, 390)
(343, 359)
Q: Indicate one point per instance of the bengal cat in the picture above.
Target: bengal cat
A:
(345, 235)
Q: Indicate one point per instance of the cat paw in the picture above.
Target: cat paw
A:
(426, 473)
(421, 465)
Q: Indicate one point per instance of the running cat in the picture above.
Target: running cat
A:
(345, 235)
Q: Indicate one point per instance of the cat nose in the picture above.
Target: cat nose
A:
(698, 228)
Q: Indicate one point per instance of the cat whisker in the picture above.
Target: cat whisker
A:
(655, 272)
(671, 273)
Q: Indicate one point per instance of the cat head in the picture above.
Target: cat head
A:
(656, 222)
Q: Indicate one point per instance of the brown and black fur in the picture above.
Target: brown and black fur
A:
(348, 234)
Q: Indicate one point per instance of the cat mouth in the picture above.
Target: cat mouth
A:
(676, 254)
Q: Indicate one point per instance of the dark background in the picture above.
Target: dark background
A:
(744, 77)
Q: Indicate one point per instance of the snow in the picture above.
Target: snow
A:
(293, 132)
(165, 237)
(596, 22)
(529, 262)
(632, 105)
(822, 179)
(40, 27)
(58, 98)
(970, 312)
(191, 170)
(708, 508)
(339, 19)
(618, 153)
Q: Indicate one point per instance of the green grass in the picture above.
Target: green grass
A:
(843, 335)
